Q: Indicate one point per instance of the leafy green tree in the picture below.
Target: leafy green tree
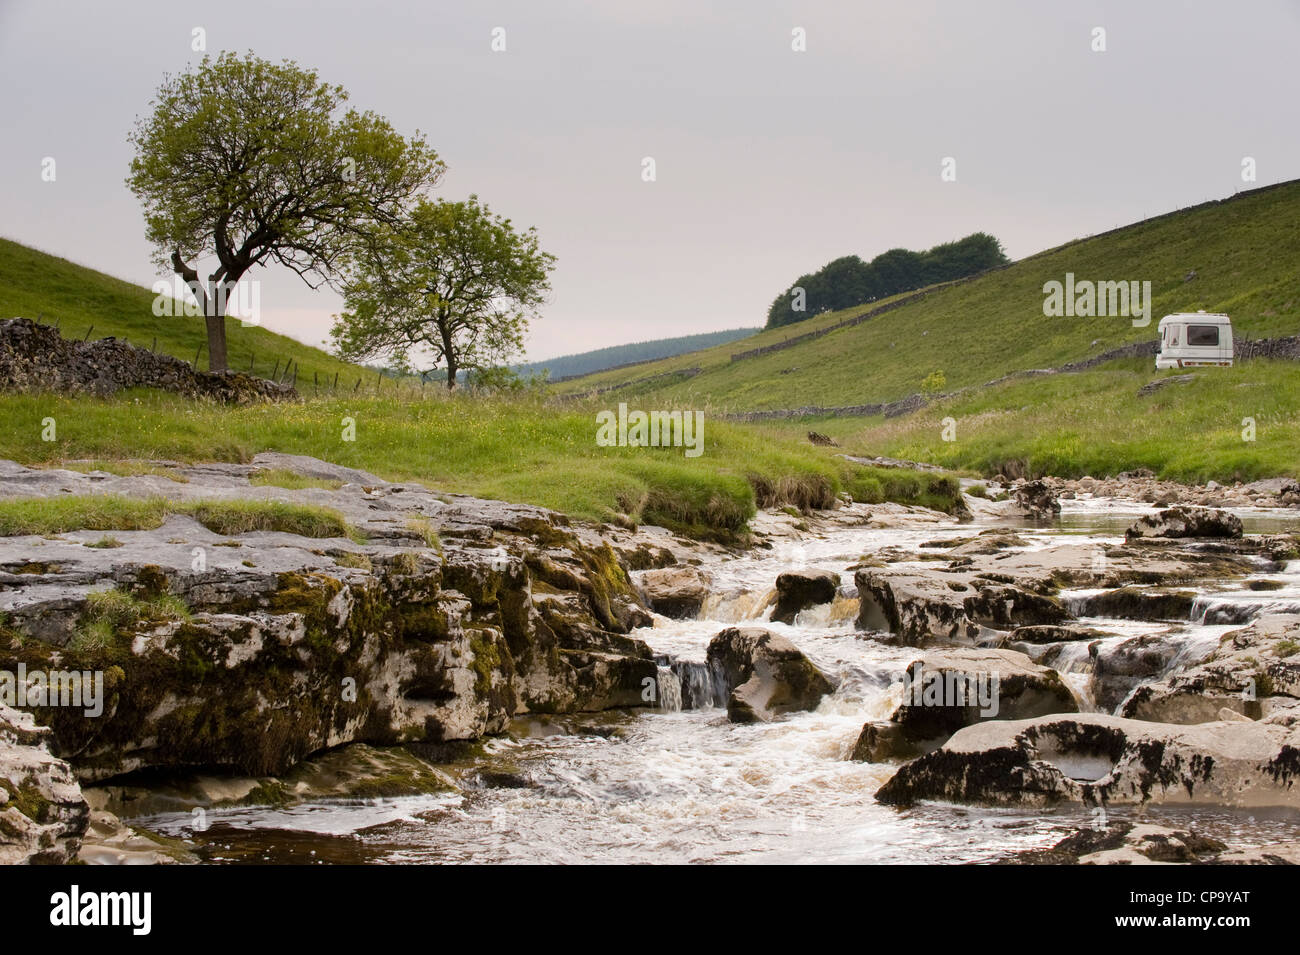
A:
(848, 281)
(452, 285)
(248, 162)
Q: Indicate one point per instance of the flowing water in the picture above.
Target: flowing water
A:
(685, 785)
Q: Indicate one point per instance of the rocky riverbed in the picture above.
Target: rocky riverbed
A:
(466, 680)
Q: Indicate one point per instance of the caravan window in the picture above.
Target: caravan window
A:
(1203, 335)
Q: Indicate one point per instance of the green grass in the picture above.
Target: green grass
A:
(520, 449)
(108, 612)
(1245, 253)
(111, 512)
(36, 285)
(125, 469)
(279, 477)
(1094, 422)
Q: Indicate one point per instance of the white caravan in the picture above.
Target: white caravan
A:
(1190, 339)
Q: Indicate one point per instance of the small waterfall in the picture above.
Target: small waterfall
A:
(737, 606)
(668, 690)
(1073, 657)
(841, 610)
(1234, 609)
(698, 686)
(1077, 604)
(1074, 662)
(1192, 651)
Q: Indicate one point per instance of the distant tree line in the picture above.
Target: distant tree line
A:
(849, 281)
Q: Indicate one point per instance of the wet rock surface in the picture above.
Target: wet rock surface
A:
(1254, 672)
(1038, 500)
(42, 813)
(764, 675)
(956, 608)
(945, 690)
(1182, 521)
(1139, 603)
(799, 590)
(1118, 668)
(1098, 760)
(677, 592)
(1127, 843)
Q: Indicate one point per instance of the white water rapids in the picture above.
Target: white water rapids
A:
(671, 785)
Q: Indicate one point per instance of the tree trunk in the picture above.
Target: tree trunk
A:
(213, 308)
(216, 340)
(448, 350)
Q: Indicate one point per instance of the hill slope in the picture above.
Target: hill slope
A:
(635, 353)
(35, 285)
(1238, 255)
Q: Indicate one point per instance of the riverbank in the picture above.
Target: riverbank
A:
(518, 448)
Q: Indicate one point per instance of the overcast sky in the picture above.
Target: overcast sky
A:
(770, 162)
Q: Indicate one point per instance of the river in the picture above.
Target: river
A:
(668, 785)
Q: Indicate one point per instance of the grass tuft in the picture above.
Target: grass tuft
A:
(99, 512)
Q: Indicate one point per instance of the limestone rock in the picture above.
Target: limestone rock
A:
(764, 675)
(1096, 759)
(947, 609)
(945, 690)
(676, 592)
(1038, 500)
(42, 813)
(274, 646)
(1184, 521)
(799, 590)
(1120, 667)
(1251, 672)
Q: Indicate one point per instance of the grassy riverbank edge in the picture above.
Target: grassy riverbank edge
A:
(520, 448)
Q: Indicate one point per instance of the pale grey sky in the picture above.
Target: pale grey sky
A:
(770, 162)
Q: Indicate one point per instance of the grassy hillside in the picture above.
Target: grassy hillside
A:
(628, 380)
(1245, 253)
(1096, 422)
(36, 285)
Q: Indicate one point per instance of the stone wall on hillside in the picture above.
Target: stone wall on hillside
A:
(36, 357)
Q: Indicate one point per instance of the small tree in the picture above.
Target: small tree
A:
(246, 161)
(452, 285)
(933, 384)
